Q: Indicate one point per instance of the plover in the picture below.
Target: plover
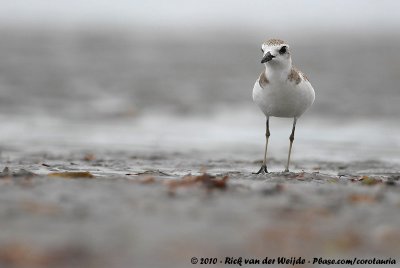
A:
(281, 90)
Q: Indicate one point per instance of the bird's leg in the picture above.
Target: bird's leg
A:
(291, 138)
(263, 168)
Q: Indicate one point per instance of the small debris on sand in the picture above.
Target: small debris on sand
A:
(366, 180)
(7, 173)
(206, 180)
(362, 198)
(72, 175)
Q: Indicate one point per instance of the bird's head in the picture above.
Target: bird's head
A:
(276, 52)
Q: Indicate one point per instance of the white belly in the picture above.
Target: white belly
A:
(285, 99)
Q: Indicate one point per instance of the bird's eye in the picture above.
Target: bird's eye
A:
(262, 50)
(282, 50)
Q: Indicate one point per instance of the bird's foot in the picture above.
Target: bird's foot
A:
(262, 170)
(286, 170)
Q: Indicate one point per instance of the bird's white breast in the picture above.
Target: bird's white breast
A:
(283, 98)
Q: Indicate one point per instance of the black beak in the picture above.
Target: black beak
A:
(267, 57)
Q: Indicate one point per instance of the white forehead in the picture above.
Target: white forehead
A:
(265, 46)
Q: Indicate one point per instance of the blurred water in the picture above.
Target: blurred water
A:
(119, 88)
(94, 74)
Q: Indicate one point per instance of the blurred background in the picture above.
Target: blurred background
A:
(179, 74)
(145, 92)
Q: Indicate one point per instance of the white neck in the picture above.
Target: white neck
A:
(278, 70)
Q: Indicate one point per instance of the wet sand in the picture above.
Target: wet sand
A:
(144, 209)
(147, 203)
